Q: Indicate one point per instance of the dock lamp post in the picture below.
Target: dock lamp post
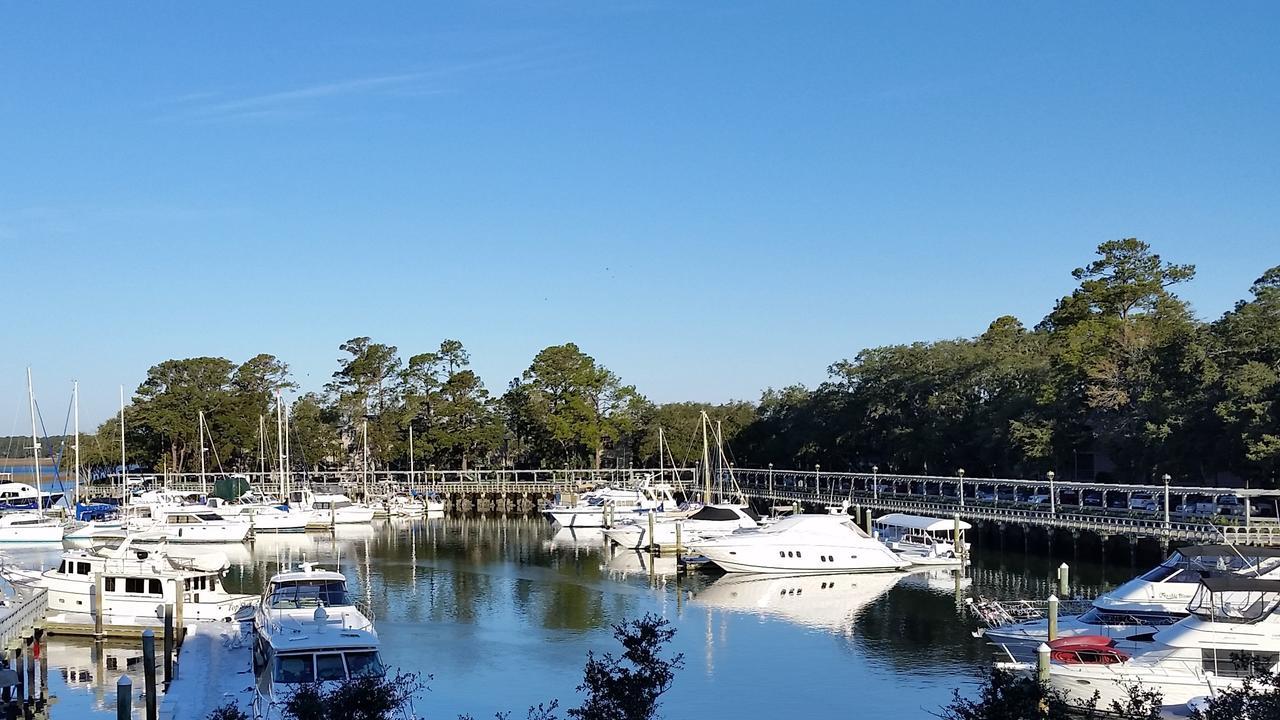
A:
(1166, 479)
(875, 483)
(1053, 496)
(960, 473)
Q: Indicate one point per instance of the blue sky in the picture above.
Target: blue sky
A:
(710, 198)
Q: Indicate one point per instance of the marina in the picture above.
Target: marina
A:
(483, 594)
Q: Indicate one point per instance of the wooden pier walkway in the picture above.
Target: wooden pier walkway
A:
(1163, 512)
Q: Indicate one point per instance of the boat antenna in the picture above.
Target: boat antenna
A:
(124, 468)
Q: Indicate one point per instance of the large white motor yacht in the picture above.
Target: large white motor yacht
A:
(596, 508)
(137, 584)
(1233, 631)
(1154, 599)
(191, 524)
(307, 628)
(708, 522)
(29, 527)
(801, 544)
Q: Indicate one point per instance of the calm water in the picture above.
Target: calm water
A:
(502, 612)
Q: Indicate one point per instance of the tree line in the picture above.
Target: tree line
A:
(1120, 371)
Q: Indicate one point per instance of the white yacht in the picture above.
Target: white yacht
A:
(401, 505)
(708, 522)
(801, 544)
(831, 602)
(307, 628)
(1136, 609)
(190, 524)
(137, 584)
(29, 527)
(923, 540)
(21, 496)
(1233, 631)
(330, 509)
(596, 508)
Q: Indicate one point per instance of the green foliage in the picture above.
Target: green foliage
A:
(365, 698)
(1119, 369)
(229, 711)
(1257, 698)
(567, 408)
(629, 687)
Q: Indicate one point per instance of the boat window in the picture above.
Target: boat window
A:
(82, 568)
(329, 667)
(208, 517)
(295, 669)
(133, 585)
(109, 584)
(364, 664)
(309, 594)
(1160, 573)
(62, 567)
(1237, 663)
(781, 554)
(797, 553)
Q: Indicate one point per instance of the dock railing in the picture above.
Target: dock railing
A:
(21, 612)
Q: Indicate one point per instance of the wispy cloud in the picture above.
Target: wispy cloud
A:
(213, 106)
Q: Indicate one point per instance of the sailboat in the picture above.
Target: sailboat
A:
(28, 524)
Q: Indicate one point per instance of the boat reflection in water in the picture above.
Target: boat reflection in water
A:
(91, 670)
(829, 602)
(576, 538)
(636, 562)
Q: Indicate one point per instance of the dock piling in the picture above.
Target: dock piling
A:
(28, 645)
(19, 666)
(42, 650)
(149, 670)
(679, 529)
(124, 698)
(1042, 663)
(1064, 572)
(653, 542)
(168, 642)
(1053, 618)
(95, 602)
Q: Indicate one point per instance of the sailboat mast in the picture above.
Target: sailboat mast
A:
(204, 487)
(124, 468)
(280, 441)
(365, 432)
(35, 444)
(288, 478)
(706, 463)
(75, 401)
(660, 453)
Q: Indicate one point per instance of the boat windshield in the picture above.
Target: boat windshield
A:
(292, 595)
(1233, 606)
(297, 668)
